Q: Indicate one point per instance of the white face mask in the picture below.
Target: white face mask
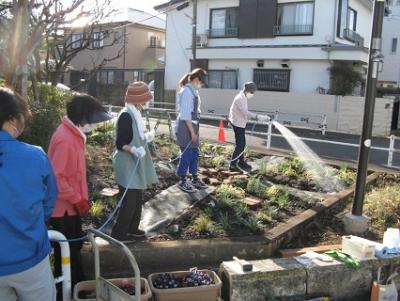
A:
(250, 95)
(87, 128)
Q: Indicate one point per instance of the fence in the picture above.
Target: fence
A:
(296, 120)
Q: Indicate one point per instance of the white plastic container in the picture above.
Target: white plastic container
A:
(358, 247)
(391, 238)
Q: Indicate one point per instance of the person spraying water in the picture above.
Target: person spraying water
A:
(239, 115)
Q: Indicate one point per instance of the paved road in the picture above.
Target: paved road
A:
(209, 130)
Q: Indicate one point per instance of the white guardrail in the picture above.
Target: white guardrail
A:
(65, 278)
(291, 120)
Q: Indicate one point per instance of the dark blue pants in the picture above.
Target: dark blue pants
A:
(189, 161)
(240, 139)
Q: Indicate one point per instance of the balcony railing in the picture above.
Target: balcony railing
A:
(222, 32)
(287, 30)
(354, 37)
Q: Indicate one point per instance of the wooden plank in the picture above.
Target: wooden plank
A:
(300, 251)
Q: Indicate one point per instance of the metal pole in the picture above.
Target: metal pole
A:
(269, 135)
(391, 150)
(375, 59)
(194, 34)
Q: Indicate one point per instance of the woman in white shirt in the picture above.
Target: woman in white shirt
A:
(239, 114)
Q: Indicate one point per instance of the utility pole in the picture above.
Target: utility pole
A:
(356, 222)
(194, 35)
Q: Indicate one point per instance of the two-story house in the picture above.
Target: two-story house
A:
(281, 45)
(137, 42)
(390, 76)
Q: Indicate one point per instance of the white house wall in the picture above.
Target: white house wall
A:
(179, 39)
(391, 29)
(305, 77)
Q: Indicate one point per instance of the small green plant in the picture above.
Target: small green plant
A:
(282, 200)
(226, 191)
(203, 224)
(97, 209)
(241, 210)
(251, 223)
(257, 188)
(113, 201)
(267, 168)
(264, 217)
(240, 181)
(217, 162)
(346, 176)
(209, 212)
(103, 135)
(225, 221)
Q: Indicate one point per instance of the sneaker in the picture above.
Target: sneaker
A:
(138, 233)
(244, 165)
(186, 187)
(235, 168)
(198, 183)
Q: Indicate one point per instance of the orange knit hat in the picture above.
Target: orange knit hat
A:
(138, 93)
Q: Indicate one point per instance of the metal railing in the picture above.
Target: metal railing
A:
(304, 121)
(104, 287)
(65, 278)
(293, 29)
(354, 37)
(222, 32)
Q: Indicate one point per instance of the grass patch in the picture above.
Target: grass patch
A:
(383, 206)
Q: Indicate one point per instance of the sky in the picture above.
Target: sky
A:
(146, 5)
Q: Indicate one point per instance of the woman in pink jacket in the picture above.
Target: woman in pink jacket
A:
(67, 155)
(238, 117)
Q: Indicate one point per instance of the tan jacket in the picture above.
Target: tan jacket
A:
(239, 112)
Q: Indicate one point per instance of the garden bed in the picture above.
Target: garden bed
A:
(243, 205)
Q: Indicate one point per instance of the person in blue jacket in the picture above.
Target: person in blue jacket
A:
(28, 191)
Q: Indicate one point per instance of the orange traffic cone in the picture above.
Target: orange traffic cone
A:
(221, 131)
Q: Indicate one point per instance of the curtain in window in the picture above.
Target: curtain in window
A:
(229, 80)
(218, 20)
(304, 14)
(214, 79)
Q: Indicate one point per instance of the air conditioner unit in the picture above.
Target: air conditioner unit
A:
(201, 40)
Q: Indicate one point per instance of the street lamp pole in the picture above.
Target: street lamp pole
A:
(194, 35)
(375, 61)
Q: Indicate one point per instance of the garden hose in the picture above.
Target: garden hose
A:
(346, 258)
(113, 213)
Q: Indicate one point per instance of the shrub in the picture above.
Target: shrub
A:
(217, 162)
(251, 223)
(203, 224)
(46, 115)
(383, 206)
(225, 221)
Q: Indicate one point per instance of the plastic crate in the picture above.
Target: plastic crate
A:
(198, 293)
(90, 285)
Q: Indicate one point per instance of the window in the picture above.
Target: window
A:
(222, 79)
(352, 19)
(153, 42)
(76, 40)
(105, 77)
(98, 39)
(394, 45)
(295, 18)
(224, 22)
(272, 79)
(117, 37)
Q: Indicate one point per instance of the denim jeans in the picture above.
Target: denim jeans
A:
(189, 161)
